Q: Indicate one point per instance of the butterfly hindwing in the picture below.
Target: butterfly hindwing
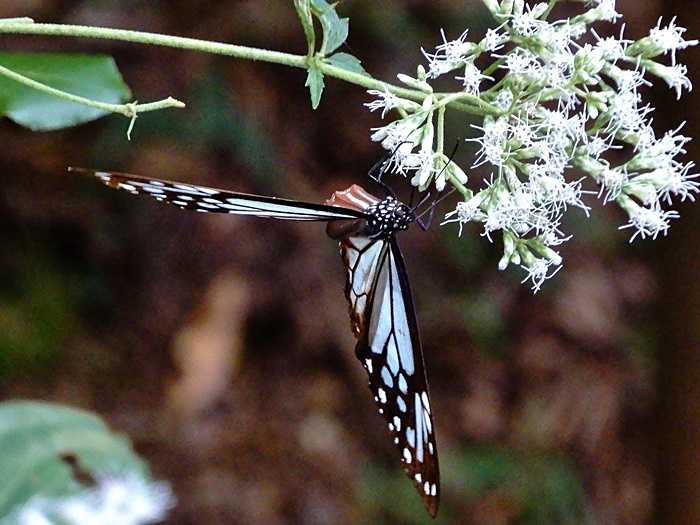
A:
(210, 200)
(361, 257)
(383, 318)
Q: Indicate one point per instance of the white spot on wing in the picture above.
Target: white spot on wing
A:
(424, 398)
(401, 403)
(382, 395)
(386, 376)
(403, 386)
(411, 436)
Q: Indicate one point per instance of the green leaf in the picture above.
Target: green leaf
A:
(335, 29)
(347, 61)
(314, 81)
(36, 438)
(303, 8)
(91, 76)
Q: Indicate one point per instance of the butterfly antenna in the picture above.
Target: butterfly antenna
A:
(378, 169)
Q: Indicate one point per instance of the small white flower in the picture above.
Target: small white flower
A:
(449, 55)
(612, 181)
(466, 211)
(658, 153)
(504, 99)
(539, 271)
(423, 166)
(670, 38)
(527, 23)
(556, 76)
(672, 180)
(472, 78)
(386, 101)
(598, 145)
(606, 8)
(675, 76)
(611, 48)
(399, 136)
(494, 142)
(626, 113)
(493, 40)
(524, 63)
(647, 221)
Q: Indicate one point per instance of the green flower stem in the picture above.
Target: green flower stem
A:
(493, 66)
(467, 103)
(551, 5)
(22, 20)
(128, 110)
(476, 106)
(461, 188)
(440, 147)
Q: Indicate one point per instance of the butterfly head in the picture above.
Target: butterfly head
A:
(388, 216)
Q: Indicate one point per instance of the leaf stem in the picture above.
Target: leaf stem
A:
(473, 105)
(129, 110)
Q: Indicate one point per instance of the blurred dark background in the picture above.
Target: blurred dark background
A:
(222, 347)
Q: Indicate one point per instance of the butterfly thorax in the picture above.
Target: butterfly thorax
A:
(388, 216)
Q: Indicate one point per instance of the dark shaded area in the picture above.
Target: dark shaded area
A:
(221, 346)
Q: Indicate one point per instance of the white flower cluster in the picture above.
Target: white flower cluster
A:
(115, 500)
(553, 99)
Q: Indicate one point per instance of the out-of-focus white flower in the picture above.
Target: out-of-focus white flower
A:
(124, 499)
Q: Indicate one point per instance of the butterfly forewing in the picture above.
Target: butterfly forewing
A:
(211, 200)
(383, 318)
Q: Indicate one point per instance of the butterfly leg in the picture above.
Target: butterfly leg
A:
(425, 224)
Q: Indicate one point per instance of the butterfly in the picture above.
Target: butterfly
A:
(381, 306)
